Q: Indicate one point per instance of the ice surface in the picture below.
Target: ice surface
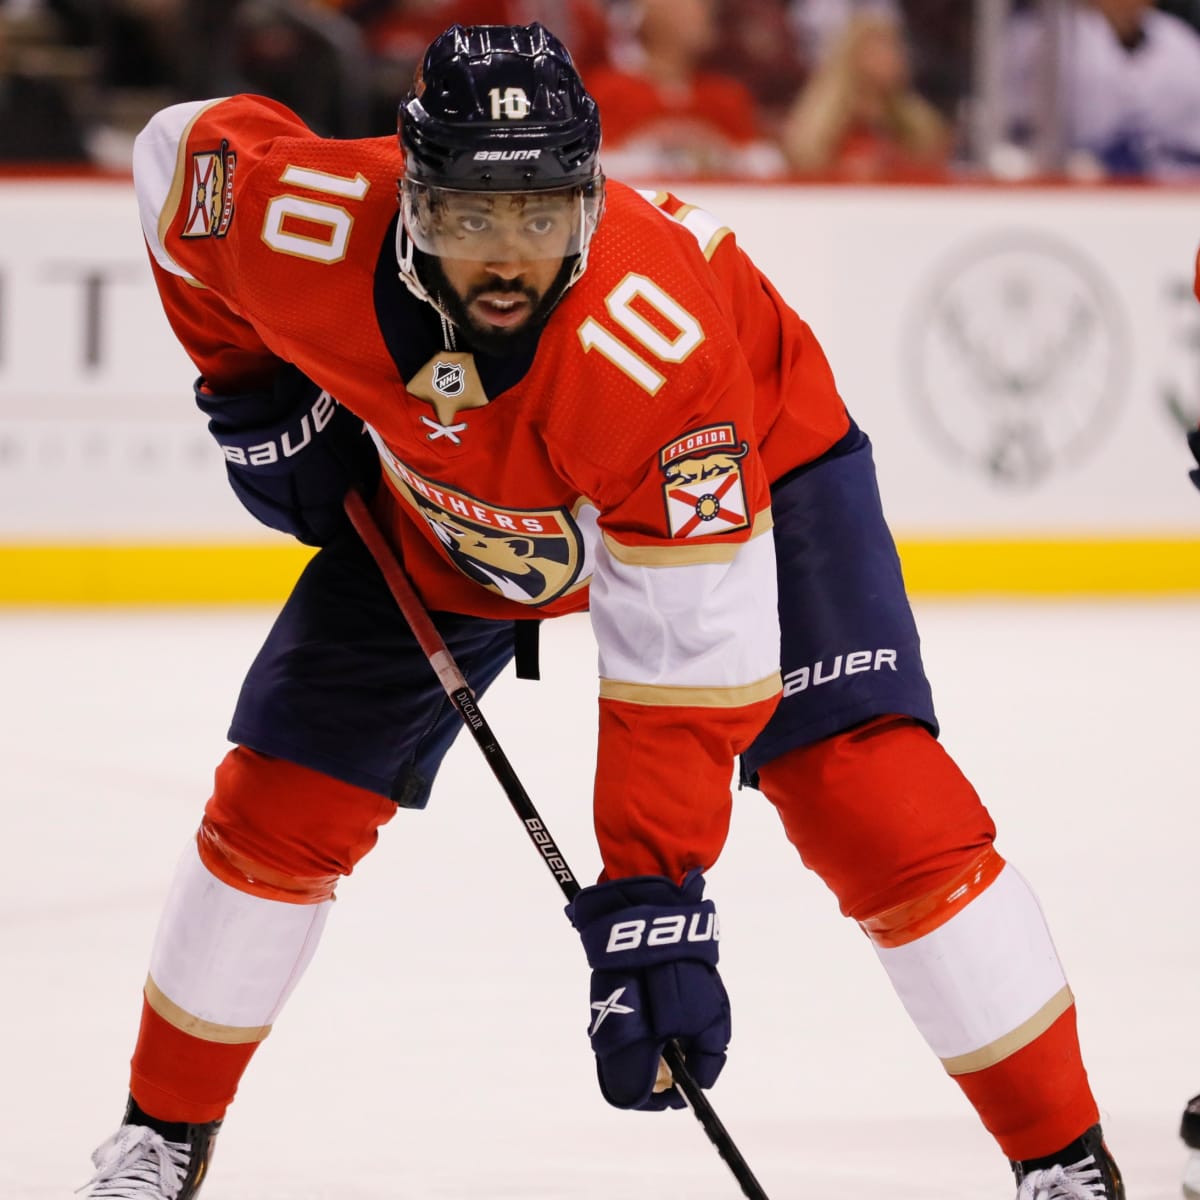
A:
(436, 1047)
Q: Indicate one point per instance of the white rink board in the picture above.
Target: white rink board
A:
(1013, 352)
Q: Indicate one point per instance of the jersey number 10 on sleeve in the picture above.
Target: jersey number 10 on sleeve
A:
(326, 227)
(619, 302)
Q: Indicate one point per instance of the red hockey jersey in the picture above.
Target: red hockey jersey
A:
(626, 470)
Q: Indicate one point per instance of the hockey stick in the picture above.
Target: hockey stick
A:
(455, 685)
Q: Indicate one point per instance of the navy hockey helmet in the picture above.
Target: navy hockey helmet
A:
(502, 145)
(499, 108)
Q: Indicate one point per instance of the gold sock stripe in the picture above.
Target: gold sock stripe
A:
(1018, 1039)
(206, 1031)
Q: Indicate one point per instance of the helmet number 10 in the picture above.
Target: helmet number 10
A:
(509, 103)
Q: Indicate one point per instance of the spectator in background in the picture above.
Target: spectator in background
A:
(395, 34)
(939, 36)
(859, 117)
(663, 113)
(37, 122)
(819, 23)
(759, 44)
(293, 61)
(141, 40)
(1128, 88)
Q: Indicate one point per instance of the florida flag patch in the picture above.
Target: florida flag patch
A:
(211, 206)
(702, 485)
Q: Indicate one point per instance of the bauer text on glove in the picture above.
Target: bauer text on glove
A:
(652, 946)
(291, 454)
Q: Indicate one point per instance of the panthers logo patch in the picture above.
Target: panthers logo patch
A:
(531, 556)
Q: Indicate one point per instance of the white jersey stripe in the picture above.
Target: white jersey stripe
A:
(703, 226)
(699, 625)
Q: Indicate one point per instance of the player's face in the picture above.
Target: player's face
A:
(501, 254)
(500, 296)
(499, 261)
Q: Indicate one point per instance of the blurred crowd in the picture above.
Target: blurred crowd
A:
(859, 90)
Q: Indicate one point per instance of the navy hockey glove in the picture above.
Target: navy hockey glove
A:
(292, 453)
(652, 947)
(1194, 443)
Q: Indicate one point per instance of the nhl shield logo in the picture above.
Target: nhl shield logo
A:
(450, 379)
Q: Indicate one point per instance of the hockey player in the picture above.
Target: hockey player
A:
(581, 397)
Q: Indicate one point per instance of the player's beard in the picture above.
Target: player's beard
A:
(488, 340)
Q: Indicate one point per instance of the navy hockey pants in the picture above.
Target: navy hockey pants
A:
(342, 687)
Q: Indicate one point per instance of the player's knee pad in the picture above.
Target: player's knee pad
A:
(285, 832)
(884, 815)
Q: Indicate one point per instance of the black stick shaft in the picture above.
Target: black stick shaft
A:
(455, 685)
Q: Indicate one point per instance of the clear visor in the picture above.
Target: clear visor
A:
(500, 226)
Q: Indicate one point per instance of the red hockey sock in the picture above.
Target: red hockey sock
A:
(1037, 1100)
(178, 1077)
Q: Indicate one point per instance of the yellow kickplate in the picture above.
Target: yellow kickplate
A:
(80, 573)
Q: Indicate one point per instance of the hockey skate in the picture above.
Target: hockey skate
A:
(1189, 1130)
(1083, 1171)
(151, 1160)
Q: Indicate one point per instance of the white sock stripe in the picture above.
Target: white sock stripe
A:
(226, 958)
(983, 974)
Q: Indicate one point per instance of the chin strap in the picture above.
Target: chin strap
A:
(405, 249)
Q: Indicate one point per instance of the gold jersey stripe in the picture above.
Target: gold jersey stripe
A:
(1018, 1039)
(680, 554)
(207, 1031)
(664, 695)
